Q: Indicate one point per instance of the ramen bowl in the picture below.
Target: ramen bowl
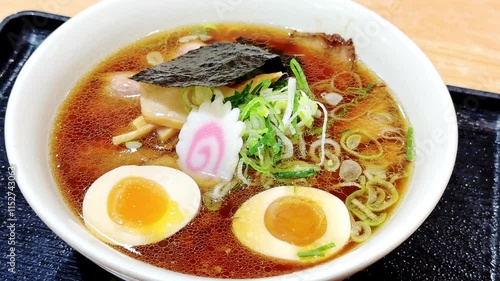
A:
(86, 39)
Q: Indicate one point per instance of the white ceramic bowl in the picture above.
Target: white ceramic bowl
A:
(82, 42)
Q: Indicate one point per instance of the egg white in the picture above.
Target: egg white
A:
(249, 226)
(180, 188)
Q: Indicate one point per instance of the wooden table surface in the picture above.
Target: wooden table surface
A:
(460, 37)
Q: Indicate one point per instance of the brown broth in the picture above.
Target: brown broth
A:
(81, 151)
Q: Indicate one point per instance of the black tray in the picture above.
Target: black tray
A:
(459, 241)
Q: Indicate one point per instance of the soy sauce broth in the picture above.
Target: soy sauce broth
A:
(81, 151)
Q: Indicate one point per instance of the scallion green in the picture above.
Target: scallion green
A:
(301, 78)
(409, 145)
(318, 252)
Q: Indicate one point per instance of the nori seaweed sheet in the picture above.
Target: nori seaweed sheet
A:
(214, 65)
(285, 58)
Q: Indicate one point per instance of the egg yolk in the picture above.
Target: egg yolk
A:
(136, 202)
(296, 220)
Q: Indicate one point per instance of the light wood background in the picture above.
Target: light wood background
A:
(459, 36)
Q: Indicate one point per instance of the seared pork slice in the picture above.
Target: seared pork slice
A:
(342, 51)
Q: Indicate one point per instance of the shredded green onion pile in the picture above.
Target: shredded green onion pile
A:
(275, 115)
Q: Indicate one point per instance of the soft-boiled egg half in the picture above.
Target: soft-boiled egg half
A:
(138, 205)
(293, 223)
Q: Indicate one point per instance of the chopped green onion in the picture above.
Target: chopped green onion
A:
(362, 180)
(295, 174)
(239, 98)
(187, 38)
(247, 94)
(154, 58)
(202, 94)
(193, 97)
(369, 87)
(263, 167)
(133, 144)
(301, 78)
(346, 135)
(295, 109)
(295, 169)
(341, 110)
(209, 26)
(332, 163)
(274, 113)
(353, 141)
(409, 145)
(384, 193)
(211, 203)
(203, 30)
(360, 91)
(186, 102)
(360, 231)
(318, 252)
(290, 101)
(361, 211)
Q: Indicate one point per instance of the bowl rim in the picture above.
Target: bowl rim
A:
(82, 246)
